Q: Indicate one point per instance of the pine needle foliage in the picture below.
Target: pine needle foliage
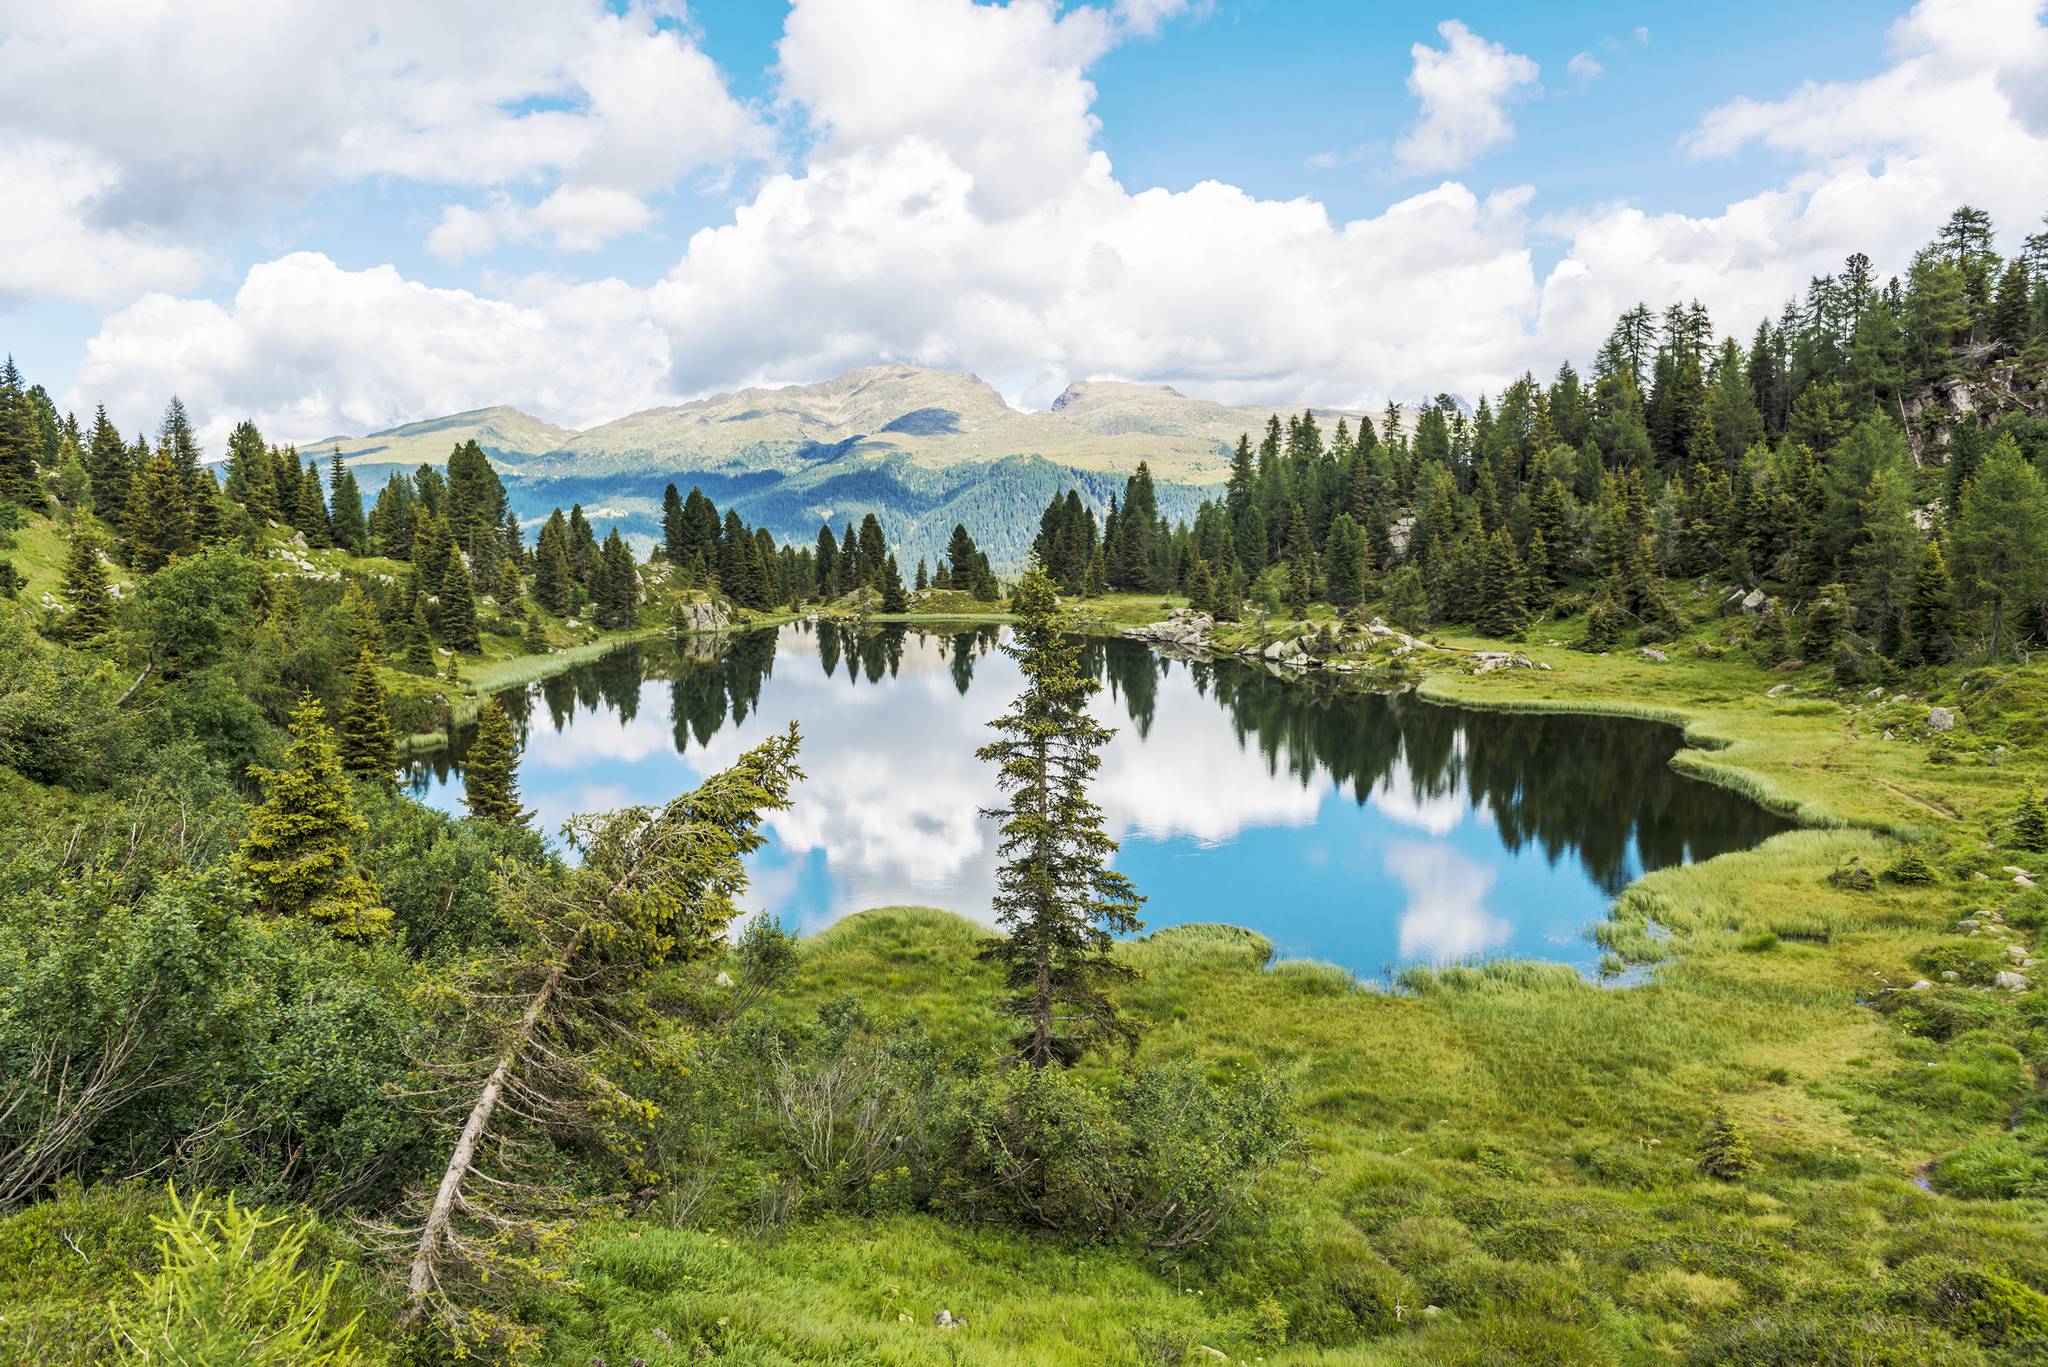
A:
(1724, 1153)
(1057, 900)
(369, 743)
(536, 1039)
(299, 853)
(489, 773)
(85, 589)
(232, 1287)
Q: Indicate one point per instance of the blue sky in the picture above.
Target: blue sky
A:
(346, 215)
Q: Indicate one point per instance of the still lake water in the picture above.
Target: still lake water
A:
(1367, 830)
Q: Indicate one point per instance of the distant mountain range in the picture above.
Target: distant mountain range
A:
(921, 449)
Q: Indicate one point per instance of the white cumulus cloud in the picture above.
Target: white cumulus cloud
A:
(1465, 88)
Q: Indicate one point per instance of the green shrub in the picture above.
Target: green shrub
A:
(1162, 1157)
(1912, 868)
(1724, 1153)
(229, 1288)
(1979, 1303)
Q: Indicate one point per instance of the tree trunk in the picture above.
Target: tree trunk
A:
(420, 1281)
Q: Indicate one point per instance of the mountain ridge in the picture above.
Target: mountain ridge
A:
(934, 418)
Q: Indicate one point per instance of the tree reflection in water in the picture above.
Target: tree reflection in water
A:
(1448, 801)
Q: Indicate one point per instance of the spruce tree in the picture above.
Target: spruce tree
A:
(368, 742)
(893, 597)
(1201, 588)
(536, 635)
(554, 578)
(345, 512)
(298, 856)
(618, 584)
(1092, 580)
(2028, 829)
(251, 482)
(1827, 619)
(489, 773)
(674, 531)
(924, 579)
(1345, 560)
(85, 589)
(2001, 542)
(1058, 902)
(159, 527)
(458, 608)
(1930, 629)
(419, 640)
(20, 444)
(1298, 588)
(107, 462)
(359, 620)
(825, 560)
(12, 581)
(311, 519)
(1502, 611)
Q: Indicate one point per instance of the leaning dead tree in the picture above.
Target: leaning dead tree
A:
(540, 1035)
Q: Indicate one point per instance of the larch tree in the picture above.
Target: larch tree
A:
(1058, 902)
(299, 855)
(490, 770)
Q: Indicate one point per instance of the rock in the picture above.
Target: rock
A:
(1652, 653)
(1941, 719)
(1921, 986)
(1279, 650)
(1970, 923)
(2014, 869)
(1488, 661)
(2012, 982)
(1787, 666)
(1875, 693)
(1778, 690)
(1754, 600)
(1887, 734)
(946, 1319)
(723, 979)
(2023, 880)
(2016, 952)
(1949, 975)
(699, 616)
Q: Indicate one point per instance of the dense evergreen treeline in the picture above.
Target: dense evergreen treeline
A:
(1875, 451)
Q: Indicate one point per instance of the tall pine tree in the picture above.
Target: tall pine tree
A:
(1058, 902)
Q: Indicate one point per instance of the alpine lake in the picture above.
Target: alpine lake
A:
(1368, 830)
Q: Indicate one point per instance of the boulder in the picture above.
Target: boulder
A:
(1778, 690)
(1754, 600)
(2012, 982)
(702, 615)
(1921, 985)
(1652, 653)
(723, 979)
(946, 1319)
(2022, 880)
(1941, 719)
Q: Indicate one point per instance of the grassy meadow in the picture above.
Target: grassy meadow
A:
(1494, 1163)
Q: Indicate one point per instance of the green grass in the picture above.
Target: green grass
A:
(1497, 1162)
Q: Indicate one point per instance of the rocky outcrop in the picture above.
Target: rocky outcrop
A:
(1341, 647)
(702, 615)
(1183, 628)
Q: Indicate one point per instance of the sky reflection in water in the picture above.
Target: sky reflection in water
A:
(1367, 830)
